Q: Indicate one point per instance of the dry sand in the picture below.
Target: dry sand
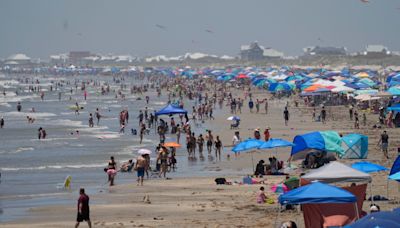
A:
(198, 202)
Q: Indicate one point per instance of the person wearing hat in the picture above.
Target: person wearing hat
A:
(257, 134)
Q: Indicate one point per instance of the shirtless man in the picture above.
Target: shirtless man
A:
(140, 166)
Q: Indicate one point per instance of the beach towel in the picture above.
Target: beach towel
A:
(326, 215)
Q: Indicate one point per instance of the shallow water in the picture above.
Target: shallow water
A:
(32, 170)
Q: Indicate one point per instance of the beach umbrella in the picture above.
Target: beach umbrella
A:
(171, 144)
(395, 91)
(242, 76)
(144, 151)
(233, 118)
(379, 219)
(368, 167)
(275, 143)
(248, 145)
(279, 188)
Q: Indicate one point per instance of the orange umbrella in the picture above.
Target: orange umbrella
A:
(172, 144)
(312, 88)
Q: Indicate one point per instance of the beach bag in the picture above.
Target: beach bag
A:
(220, 181)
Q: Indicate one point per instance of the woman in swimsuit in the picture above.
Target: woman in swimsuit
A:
(111, 170)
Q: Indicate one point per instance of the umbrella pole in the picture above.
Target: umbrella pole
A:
(252, 161)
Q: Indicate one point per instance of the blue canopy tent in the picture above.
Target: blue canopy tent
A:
(328, 141)
(355, 146)
(395, 167)
(170, 110)
(318, 193)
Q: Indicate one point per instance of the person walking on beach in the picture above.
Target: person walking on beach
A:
(218, 147)
(91, 123)
(323, 115)
(163, 159)
(111, 170)
(209, 139)
(83, 209)
(1, 122)
(351, 112)
(257, 105)
(98, 116)
(251, 105)
(200, 144)
(19, 107)
(140, 166)
(266, 106)
(384, 141)
(286, 116)
(236, 140)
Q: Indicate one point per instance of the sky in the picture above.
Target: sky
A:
(40, 28)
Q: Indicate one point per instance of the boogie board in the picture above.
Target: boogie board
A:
(75, 108)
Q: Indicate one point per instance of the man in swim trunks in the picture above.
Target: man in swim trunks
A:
(83, 209)
(140, 166)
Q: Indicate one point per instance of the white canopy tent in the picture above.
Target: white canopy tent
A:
(337, 172)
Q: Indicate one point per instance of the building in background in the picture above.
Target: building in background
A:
(325, 51)
(256, 52)
(252, 52)
(18, 59)
(376, 51)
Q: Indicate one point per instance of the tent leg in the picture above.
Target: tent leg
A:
(370, 192)
(357, 213)
(278, 216)
(387, 188)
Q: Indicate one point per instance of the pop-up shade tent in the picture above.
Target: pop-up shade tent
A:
(337, 172)
(395, 167)
(317, 193)
(170, 110)
(328, 141)
(355, 146)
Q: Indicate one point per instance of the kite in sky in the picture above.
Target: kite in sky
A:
(209, 31)
(364, 1)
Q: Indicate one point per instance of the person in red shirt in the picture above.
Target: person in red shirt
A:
(83, 209)
(266, 134)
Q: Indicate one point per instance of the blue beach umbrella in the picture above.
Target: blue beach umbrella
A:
(274, 143)
(379, 219)
(248, 145)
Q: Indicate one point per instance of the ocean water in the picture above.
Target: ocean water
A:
(32, 170)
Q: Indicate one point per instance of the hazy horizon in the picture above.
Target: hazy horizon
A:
(146, 28)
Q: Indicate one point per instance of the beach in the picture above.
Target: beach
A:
(190, 198)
